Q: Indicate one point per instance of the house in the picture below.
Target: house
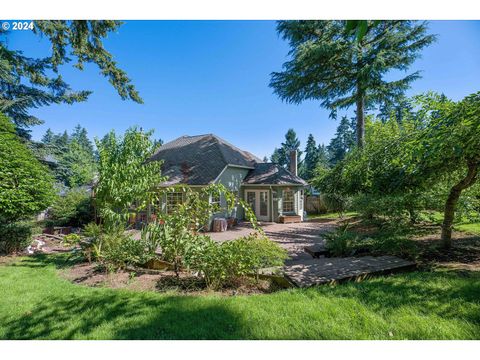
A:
(273, 192)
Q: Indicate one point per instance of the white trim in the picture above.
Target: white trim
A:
(241, 166)
(218, 176)
(257, 203)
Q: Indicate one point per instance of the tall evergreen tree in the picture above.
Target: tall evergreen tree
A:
(323, 156)
(342, 142)
(401, 109)
(281, 155)
(76, 164)
(332, 64)
(311, 158)
(27, 83)
(277, 157)
(48, 137)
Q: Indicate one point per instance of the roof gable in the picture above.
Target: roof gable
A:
(272, 174)
(199, 160)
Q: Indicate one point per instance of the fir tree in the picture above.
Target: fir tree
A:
(281, 156)
(342, 142)
(332, 64)
(27, 83)
(311, 158)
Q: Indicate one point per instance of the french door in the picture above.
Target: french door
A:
(258, 200)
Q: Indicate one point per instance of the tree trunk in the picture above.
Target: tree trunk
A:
(452, 200)
(360, 117)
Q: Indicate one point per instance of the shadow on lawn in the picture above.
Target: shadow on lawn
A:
(442, 293)
(75, 312)
(81, 312)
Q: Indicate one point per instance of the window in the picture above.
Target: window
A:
(174, 199)
(215, 200)
(288, 201)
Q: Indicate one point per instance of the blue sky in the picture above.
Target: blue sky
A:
(201, 77)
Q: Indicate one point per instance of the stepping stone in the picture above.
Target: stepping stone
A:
(330, 270)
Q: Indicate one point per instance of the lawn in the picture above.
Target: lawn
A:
(332, 215)
(36, 303)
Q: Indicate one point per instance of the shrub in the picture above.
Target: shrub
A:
(75, 208)
(14, 237)
(71, 239)
(341, 242)
(116, 249)
(120, 250)
(391, 239)
(222, 263)
(26, 186)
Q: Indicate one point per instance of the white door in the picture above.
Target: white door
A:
(258, 200)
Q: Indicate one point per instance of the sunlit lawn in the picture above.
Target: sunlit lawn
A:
(36, 303)
(464, 225)
(332, 215)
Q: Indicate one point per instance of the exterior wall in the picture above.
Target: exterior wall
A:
(271, 201)
(298, 201)
(275, 203)
(232, 178)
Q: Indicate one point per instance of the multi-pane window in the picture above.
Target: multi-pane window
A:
(174, 199)
(288, 201)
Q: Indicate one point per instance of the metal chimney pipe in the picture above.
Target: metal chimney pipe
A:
(293, 162)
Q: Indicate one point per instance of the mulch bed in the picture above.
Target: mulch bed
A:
(465, 250)
(90, 274)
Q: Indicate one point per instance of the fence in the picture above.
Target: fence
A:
(314, 204)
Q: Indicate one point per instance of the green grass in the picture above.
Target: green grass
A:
(331, 215)
(38, 304)
(464, 225)
(473, 228)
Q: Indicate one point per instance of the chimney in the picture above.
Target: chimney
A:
(293, 162)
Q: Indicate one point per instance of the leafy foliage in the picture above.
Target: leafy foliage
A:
(391, 239)
(14, 236)
(26, 186)
(222, 263)
(73, 155)
(126, 178)
(435, 154)
(340, 68)
(178, 230)
(75, 208)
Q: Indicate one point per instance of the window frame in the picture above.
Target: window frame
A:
(290, 202)
(177, 196)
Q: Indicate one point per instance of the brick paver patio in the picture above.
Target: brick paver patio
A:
(293, 237)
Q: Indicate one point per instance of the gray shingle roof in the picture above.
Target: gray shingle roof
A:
(198, 160)
(272, 174)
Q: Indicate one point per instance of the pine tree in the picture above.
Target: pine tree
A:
(323, 157)
(27, 83)
(334, 65)
(401, 109)
(342, 142)
(281, 156)
(311, 158)
(48, 137)
(277, 157)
